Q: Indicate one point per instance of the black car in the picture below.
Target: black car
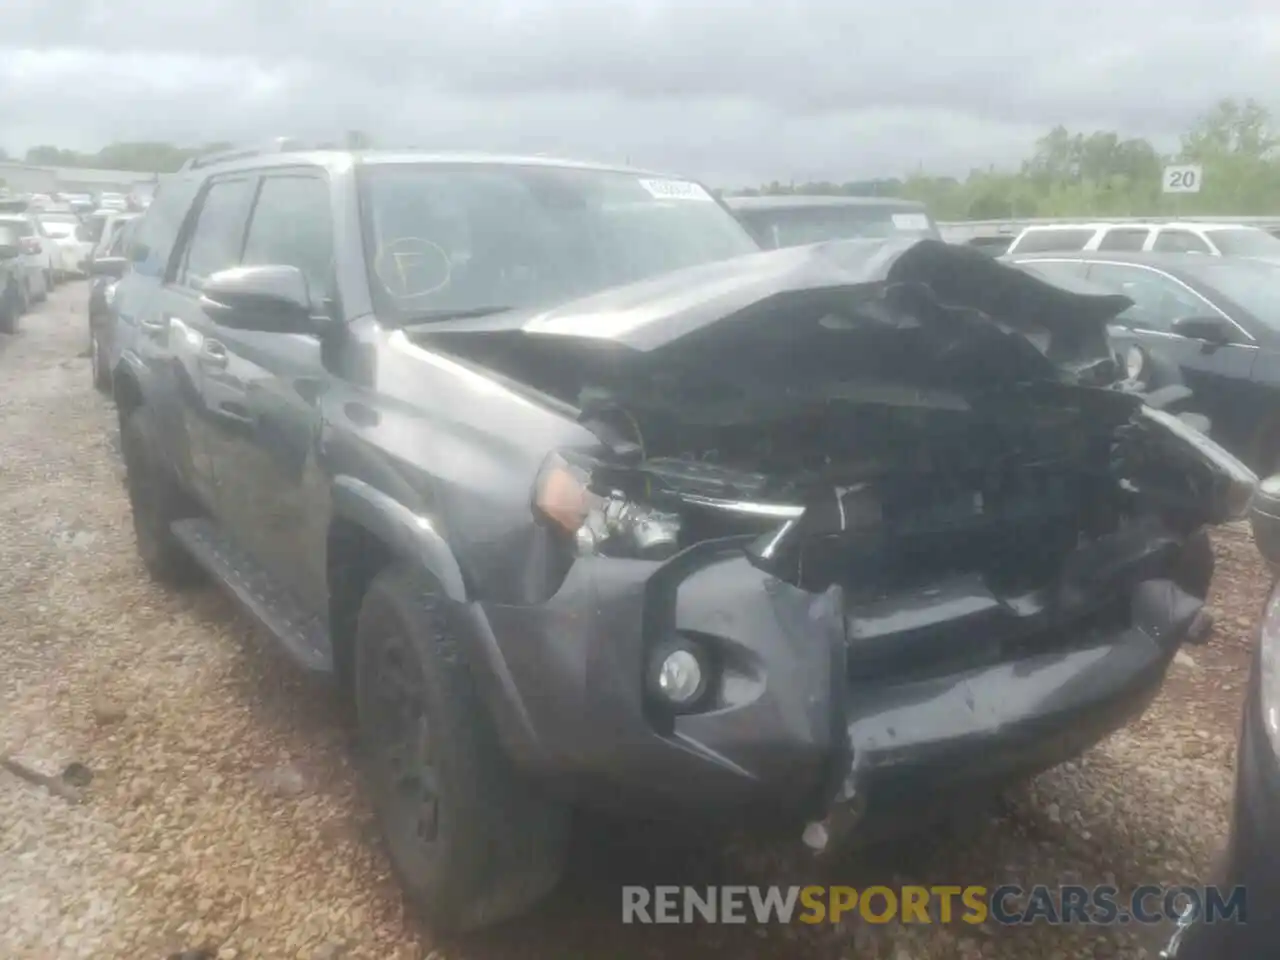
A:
(13, 266)
(796, 219)
(581, 498)
(1250, 859)
(1216, 318)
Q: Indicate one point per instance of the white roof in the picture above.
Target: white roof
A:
(1142, 225)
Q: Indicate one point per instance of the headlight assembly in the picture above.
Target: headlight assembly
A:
(603, 523)
(1135, 362)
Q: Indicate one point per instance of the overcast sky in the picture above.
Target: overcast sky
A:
(730, 91)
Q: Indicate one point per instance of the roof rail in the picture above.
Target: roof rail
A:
(278, 145)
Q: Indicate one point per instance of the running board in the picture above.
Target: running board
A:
(305, 636)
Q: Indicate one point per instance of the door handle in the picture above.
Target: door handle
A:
(213, 354)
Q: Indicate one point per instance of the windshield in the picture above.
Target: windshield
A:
(58, 228)
(68, 218)
(1245, 242)
(444, 238)
(793, 228)
(1252, 285)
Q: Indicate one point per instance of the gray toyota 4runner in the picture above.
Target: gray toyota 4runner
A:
(583, 499)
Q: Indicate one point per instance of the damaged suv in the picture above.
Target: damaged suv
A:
(583, 499)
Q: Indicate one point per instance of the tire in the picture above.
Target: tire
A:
(157, 501)
(10, 304)
(474, 843)
(101, 372)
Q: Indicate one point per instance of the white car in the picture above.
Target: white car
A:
(1191, 236)
(71, 240)
(38, 254)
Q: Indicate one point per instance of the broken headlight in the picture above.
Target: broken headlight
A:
(602, 522)
(1135, 362)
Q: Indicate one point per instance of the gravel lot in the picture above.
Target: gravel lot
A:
(224, 813)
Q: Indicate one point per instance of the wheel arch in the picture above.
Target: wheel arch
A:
(368, 531)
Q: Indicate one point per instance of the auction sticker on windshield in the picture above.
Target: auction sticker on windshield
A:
(675, 190)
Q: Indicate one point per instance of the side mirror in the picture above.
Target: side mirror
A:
(1215, 330)
(1264, 517)
(108, 267)
(9, 250)
(271, 299)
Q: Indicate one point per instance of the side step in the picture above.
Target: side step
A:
(305, 636)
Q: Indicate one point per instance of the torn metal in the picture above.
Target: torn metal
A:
(899, 492)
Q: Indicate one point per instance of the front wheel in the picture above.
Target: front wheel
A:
(472, 841)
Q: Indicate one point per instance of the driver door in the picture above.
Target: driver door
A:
(1213, 372)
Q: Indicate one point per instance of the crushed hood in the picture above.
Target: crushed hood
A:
(955, 306)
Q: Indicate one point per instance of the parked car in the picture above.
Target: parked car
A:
(793, 220)
(1213, 239)
(105, 337)
(110, 200)
(994, 246)
(1217, 319)
(13, 298)
(71, 239)
(1250, 856)
(581, 498)
(104, 231)
(38, 255)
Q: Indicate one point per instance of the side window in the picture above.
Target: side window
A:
(120, 240)
(291, 225)
(1124, 238)
(1056, 272)
(1180, 241)
(1157, 300)
(158, 230)
(1044, 241)
(215, 242)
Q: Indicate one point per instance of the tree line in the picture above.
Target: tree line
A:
(1100, 173)
(1103, 173)
(149, 156)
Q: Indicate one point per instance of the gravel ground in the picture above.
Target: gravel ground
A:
(223, 813)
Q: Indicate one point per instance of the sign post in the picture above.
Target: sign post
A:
(1182, 178)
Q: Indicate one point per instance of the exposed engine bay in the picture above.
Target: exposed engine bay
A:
(949, 414)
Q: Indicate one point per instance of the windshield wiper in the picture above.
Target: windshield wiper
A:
(436, 316)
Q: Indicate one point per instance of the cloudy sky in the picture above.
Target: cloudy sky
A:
(731, 91)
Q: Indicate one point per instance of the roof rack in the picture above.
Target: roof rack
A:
(278, 145)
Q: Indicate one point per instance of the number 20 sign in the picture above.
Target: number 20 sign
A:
(1183, 178)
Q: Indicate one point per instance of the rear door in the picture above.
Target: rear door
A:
(211, 240)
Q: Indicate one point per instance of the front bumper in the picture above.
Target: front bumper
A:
(827, 711)
(1250, 859)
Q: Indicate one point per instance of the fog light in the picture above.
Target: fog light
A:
(680, 677)
(677, 675)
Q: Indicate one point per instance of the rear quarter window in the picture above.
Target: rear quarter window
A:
(1044, 241)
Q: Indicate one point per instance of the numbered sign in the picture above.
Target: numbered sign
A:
(1183, 178)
